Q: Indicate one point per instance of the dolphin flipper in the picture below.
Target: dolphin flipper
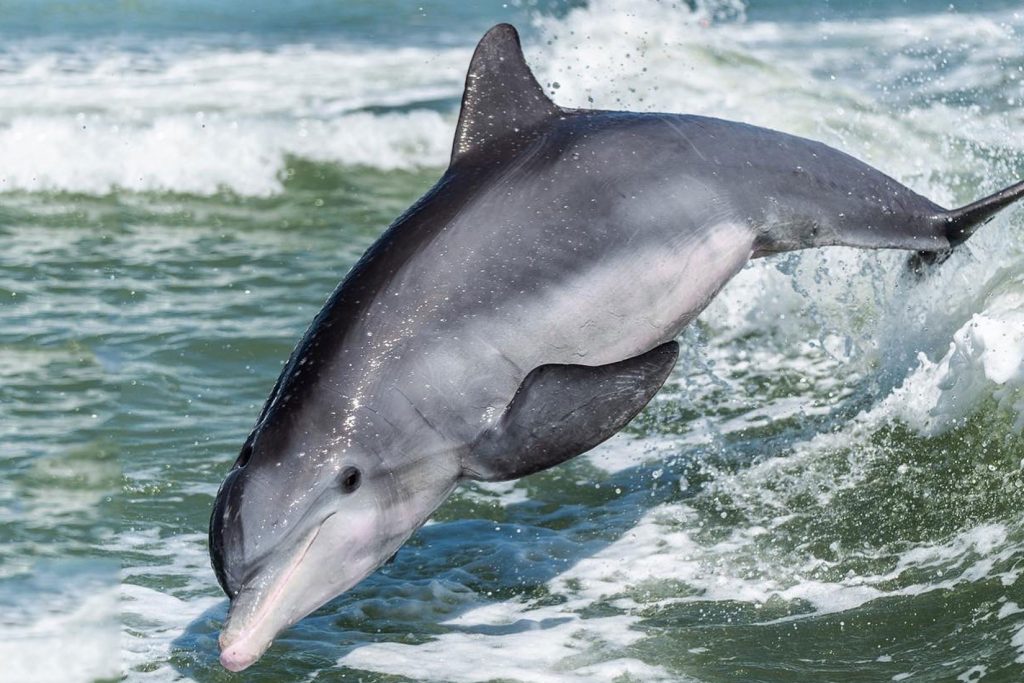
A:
(561, 411)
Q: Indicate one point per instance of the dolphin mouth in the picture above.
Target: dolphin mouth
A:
(244, 637)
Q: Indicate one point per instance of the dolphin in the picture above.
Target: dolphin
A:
(521, 312)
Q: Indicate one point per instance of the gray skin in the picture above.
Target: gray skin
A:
(518, 314)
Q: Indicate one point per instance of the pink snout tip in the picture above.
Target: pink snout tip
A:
(236, 657)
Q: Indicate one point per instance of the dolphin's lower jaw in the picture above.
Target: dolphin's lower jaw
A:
(241, 654)
(263, 607)
(254, 619)
(279, 596)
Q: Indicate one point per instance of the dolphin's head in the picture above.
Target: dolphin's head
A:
(302, 517)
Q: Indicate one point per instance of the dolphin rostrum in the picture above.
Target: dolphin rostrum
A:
(520, 313)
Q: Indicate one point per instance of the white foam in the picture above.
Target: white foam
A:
(1017, 641)
(204, 155)
(78, 642)
(297, 80)
(624, 451)
(547, 645)
(974, 673)
(654, 57)
(985, 359)
(1009, 608)
(196, 118)
(152, 621)
(662, 548)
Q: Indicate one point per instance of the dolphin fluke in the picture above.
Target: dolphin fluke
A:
(963, 222)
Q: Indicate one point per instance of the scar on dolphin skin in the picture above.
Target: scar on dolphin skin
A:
(521, 312)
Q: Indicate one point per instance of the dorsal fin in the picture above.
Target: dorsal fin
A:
(502, 98)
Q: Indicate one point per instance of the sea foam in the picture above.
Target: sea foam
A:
(199, 117)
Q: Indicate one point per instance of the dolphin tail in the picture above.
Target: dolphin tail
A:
(963, 222)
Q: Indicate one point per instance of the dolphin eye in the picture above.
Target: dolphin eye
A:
(350, 479)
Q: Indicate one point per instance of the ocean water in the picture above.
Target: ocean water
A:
(830, 488)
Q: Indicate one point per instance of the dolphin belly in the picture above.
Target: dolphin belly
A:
(652, 292)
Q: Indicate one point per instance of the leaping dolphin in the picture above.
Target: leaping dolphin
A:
(520, 313)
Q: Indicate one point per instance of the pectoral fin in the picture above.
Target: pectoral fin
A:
(561, 411)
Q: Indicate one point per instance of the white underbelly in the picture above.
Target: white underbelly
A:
(629, 303)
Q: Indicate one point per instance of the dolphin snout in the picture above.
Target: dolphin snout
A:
(266, 604)
(241, 654)
(254, 618)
